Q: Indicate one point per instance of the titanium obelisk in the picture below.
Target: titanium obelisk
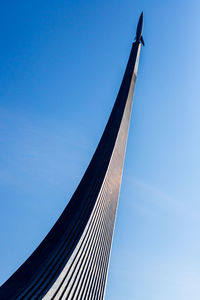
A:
(72, 261)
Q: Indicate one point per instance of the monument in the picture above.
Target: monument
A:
(72, 261)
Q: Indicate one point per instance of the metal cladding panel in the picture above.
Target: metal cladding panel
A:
(72, 261)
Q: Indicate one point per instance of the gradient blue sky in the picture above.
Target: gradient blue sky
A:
(61, 66)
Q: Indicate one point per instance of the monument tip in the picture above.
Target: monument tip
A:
(139, 30)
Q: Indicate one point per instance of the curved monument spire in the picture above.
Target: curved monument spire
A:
(72, 261)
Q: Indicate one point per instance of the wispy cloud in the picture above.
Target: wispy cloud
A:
(38, 149)
(154, 195)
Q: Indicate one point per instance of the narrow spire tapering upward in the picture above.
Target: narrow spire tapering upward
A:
(72, 261)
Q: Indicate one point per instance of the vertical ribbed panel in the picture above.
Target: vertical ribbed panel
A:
(72, 261)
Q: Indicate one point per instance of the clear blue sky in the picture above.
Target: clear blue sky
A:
(61, 66)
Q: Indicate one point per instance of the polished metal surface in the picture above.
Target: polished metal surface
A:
(72, 261)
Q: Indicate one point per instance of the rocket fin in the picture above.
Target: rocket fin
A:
(142, 41)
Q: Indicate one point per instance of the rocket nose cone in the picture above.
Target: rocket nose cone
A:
(140, 21)
(139, 28)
